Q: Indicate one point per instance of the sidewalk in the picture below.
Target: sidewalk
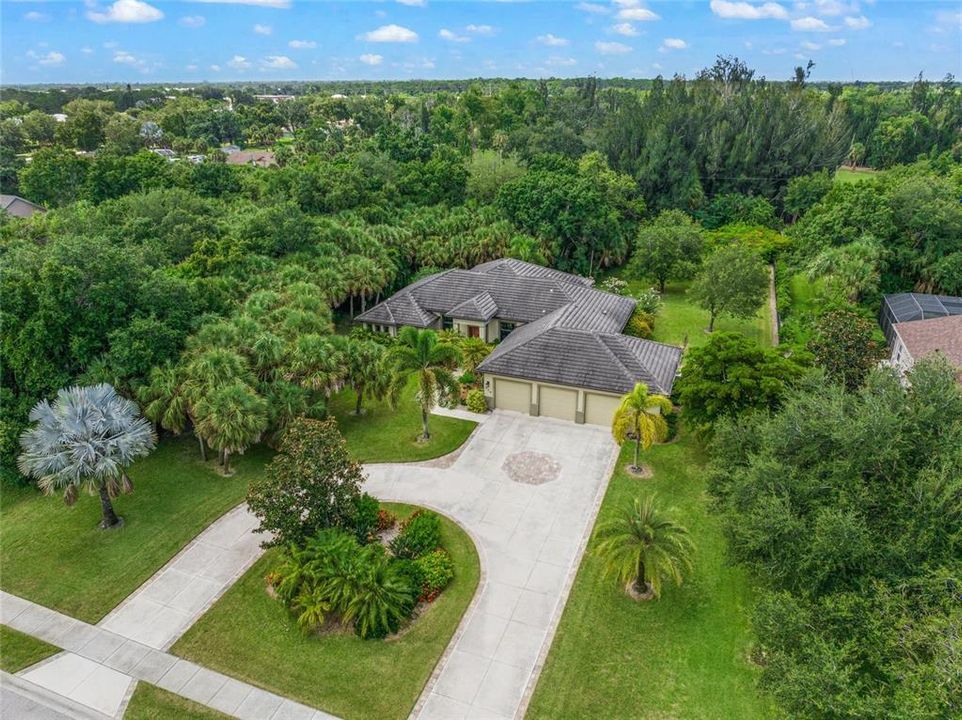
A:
(98, 668)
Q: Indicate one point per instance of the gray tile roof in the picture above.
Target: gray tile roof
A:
(571, 333)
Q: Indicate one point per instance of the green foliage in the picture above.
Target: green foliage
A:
(419, 354)
(54, 177)
(467, 378)
(737, 209)
(641, 324)
(731, 376)
(476, 402)
(844, 344)
(420, 534)
(311, 484)
(667, 248)
(648, 301)
(435, 570)
(733, 281)
(473, 351)
(804, 191)
(768, 243)
(367, 517)
(488, 171)
(846, 506)
(640, 418)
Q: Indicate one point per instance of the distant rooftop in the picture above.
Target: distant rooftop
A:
(909, 307)
(941, 334)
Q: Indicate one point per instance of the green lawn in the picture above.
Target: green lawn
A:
(683, 656)
(19, 651)
(847, 175)
(385, 435)
(252, 637)
(57, 556)
(150, 702)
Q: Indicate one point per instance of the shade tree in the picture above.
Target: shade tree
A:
(733, 281)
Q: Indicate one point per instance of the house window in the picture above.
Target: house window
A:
(474, 331)
(505, 329)
(447, 323)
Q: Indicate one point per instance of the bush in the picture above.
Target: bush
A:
(420, 534)
(640, 324)
(366, 517)
(467, 378)
(649, 301)
(436, 570)
(476, 402)
(614, 285)
(385, 520)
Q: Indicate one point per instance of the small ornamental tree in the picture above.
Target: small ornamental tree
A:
(733, 281)
(844, 345)
(313, 483)
(640, 418)
(668, 248)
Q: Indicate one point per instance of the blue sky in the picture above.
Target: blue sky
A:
(222, 40)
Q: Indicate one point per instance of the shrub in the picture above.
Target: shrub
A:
(476, 402)
(640, 324)
(385, 520)
(649, 301)
(614, 285)
(467, 378)
(366, 515)
(381, 596)
(436, 570)
(420, 534)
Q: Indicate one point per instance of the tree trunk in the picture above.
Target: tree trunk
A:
(424, 423)
(661, 285)
(110, 518)
(360, 398)
(711, 322)
(203, 449)
(637, 444)
(226, 462)
(640, 585)
(352, 306)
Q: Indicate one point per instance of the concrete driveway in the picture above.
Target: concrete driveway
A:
(527, 490)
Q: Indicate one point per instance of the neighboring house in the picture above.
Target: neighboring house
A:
(229, 149)
(260, 158)
(16, 206)
(916, 325)
(560, 353)
(166, 153)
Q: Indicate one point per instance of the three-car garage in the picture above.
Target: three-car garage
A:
(565, 403)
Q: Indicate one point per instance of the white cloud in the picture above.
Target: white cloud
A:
(748, 11)
(837, 42)
(450, 36)
(390, 33)
(302, 44)
(593, 8)
(560, 61)
(215, 68)
(773, 51)
(552, 40)
(834, 8)
(810, 24)
(86, 50)
(49, 59)
(125, 11)
(192, 21)
(278, 62)
(413, 3)
(612, 48)
(480, 29)
(946, 21)
(811, 46)
(34, 16)
(239, 62)
(191, 68)
(626, 29)
(638, 13)
(263, 29)
(749, 45)
(859, 23)
(673, 44)
(280, 4)
(371, 59)
(125, 58)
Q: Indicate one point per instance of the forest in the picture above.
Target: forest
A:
(193, 284)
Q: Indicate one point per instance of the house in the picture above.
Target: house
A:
(560, 349)
(917, 324)
(260, 158)
(165, 153)
(16, 206)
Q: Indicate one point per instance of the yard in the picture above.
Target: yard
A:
(848, 175)
(683, 656)
(58, 557)
(19, 651)
(150, 702)
(252, 637)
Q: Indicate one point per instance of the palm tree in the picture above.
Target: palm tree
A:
(366, 370)
(231, 418)
(418, 353)
(640, 418)
(473, 351)
(317, 362)
(205, 374)
(85, 440)
(641, 547)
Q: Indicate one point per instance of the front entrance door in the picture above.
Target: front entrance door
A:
(474, 331)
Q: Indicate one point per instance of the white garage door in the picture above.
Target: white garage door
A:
(558, 403)
(600, 409)
(512, 395)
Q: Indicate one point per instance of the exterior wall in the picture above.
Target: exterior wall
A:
(486, 331)
(901, 358)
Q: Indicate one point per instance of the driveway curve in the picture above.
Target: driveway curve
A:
(527, 490)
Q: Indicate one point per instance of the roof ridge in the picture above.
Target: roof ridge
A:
(599, 338)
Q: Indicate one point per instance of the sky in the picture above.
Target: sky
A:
(143, 41)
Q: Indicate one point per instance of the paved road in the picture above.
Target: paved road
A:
(530, 538)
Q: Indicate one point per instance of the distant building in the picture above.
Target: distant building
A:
(260, 158)
(16, 206)
(59, 117)
(917, 325)
(276, 99)
(165, 153)
(196, 159)
(229, 149)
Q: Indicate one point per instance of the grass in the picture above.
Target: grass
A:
(847, 175)
(385, 435)
(19, 651)
(252, 637)
(58, 557)
(683, 656)
(150, 702)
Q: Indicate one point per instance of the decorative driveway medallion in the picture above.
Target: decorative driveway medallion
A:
(531, 468)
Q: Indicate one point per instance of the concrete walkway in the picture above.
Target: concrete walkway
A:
(98, 669)
(162, 609)
(530, 538)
